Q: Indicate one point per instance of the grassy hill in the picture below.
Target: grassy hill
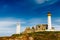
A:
(45, 35)
(41, 35)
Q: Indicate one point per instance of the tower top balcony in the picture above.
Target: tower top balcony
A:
(49, 14)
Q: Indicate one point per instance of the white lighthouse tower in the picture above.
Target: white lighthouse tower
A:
(18, 28)
(49, 21)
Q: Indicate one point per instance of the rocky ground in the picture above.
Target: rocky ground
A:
(34, 36)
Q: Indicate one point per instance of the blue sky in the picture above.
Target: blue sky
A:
(29, 12)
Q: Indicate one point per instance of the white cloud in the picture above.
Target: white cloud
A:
(45, 1)
(57, 20)
(8, 25)
(9, 21)
(40, 1)
(56, 24)
(57, 27)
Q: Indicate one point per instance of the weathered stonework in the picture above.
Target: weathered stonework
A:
(38, 28)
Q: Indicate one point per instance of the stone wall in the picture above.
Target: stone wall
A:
(37, 28)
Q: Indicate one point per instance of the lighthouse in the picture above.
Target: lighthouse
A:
(18, 28)
(49, 21)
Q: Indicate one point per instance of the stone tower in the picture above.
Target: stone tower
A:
(18, 28)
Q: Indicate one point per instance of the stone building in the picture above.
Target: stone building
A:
(41, 27)
(37, 28)
(27, 30)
